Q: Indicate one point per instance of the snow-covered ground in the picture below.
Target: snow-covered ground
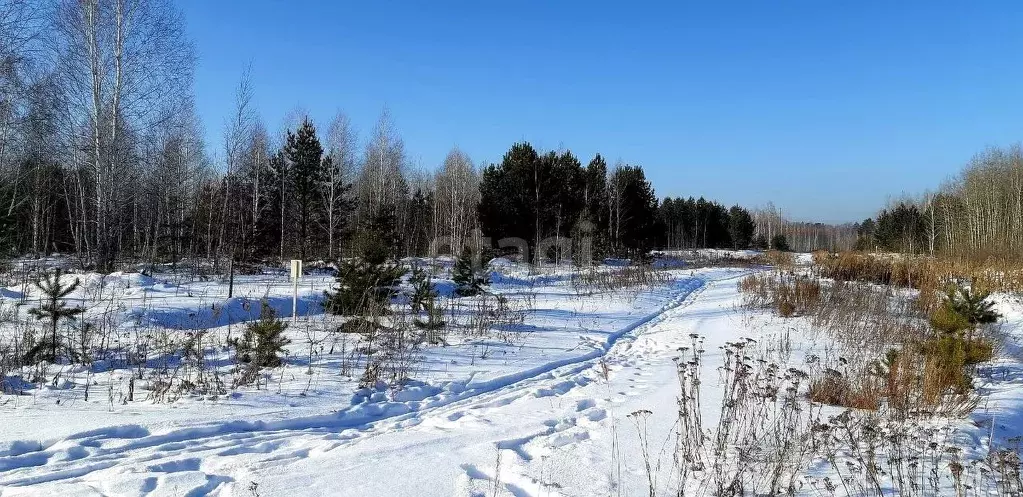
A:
(541, 410)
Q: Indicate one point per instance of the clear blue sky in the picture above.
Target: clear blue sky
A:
(825, 108)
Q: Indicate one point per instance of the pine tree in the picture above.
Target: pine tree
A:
(305, 177)
(365, 285)
(740, 227)
(424, 298)
(865, 234)
(564, 200)
(263, 341)
(780, 242)
(633, 211)
(902, 228)
(271, 224)
(468, 281)
(55, 309)
(382, 231)
(596, 200)
(973, 306)
(532, 196)
(418, 222)
(691, 223)
(509, 195)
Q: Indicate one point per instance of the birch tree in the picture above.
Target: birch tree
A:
(381, 181)
(125, 66)
(457, 186)
(339, 168)
(237, 137)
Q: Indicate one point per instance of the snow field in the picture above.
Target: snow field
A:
(544, 414)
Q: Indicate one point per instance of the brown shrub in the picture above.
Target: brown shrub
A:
(890, 270)
(786, 309)
(934, 376)
(928, 274)
(830, 388)
(787, 294)
(780, 260)
(930, 359)
(837, 389)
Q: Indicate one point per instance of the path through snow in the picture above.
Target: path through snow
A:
(542, 431)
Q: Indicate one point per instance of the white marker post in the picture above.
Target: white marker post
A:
(296, 274)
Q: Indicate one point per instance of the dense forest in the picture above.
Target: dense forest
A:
(102, 155)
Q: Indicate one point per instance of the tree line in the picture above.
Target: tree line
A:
(102, 155)
(977, 213)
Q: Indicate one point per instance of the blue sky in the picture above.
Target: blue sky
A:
(826, 108)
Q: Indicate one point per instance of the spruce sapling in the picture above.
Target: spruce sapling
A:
(468, 279)
(54, 309)
(263, 340)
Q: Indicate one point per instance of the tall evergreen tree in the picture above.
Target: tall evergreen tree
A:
(740, 227)
(596, 201)
(381, 232)
(567, 202)
(633, 211)
(865, 234)
(531, 197)
(419, 222)
(902, 228)
(507, 195)
(780, 242)
(306, 173)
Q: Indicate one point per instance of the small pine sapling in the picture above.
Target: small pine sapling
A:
(364, 286)
(964, 310)
(424, 298)
(422, 289)
(54, 309)
(263, 341)
(468, 279)
(974, 306)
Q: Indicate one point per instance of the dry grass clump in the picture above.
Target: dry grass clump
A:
(928, 367)
(780, 260)
(931, 377)
(833, 387)
(626, 277)
(868, 317)
(872, 454)
(763, 436)
(766, 441)
(892, 270)
(789, 295)
(928, 274)
(896, 357)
